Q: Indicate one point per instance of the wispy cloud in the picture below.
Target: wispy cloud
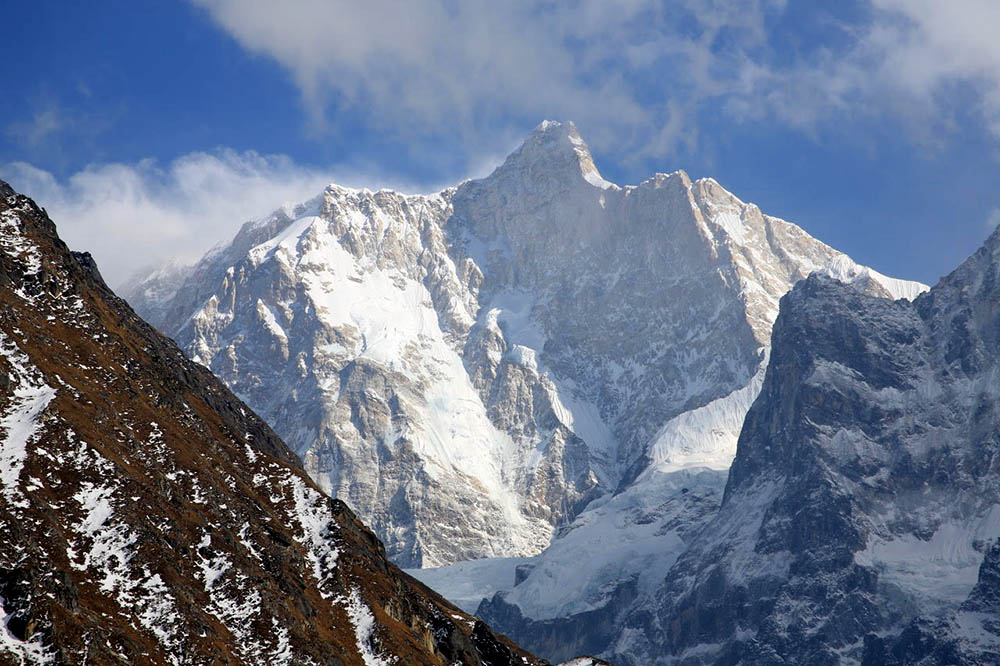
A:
(52, 125)
(131, 216)
(928, 46)
(636, 74)
(439, 66)
(41, 126)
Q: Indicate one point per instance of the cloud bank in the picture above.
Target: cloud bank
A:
(633, 73)
(132, 216)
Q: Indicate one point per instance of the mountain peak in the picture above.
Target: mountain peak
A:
(556, 147)
(549, 126)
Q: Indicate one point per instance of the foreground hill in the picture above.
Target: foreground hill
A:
(148, 517)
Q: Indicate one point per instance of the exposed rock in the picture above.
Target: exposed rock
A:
(862, 511)
(147, 516)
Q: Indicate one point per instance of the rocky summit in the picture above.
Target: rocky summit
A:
(147, 516)
(472, 370)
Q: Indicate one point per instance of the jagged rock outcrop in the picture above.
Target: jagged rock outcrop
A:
(468, 370)
(862, 510)
(147, 516)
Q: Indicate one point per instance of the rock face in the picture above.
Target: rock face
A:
(469, 370)
(578, 594)
(862, 511)
(147, 516)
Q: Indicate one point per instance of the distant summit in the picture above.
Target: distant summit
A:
(555, 149)
(470, 369)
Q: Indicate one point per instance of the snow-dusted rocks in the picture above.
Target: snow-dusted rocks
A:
(860, 518)
(147, 516)
(470, 369)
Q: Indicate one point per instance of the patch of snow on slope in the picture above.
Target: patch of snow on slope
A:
(843, 268)
(907, 289)
(706, 436)
(938, 572)
(596, 180)
(154, 608)
(399, 329)
(583, 418)
(28, 652)
(512, 312)
(466, 584)
(729, 220)
(317, 526)
(616, 538)
(16, 246)
(288, 236)
(364, 630)
(270, 321)
(237, 604)
(283, 655)
(19, 424)
(974, 629)
(389, 310)
(109, 544)
(213, 566)
(110, 553)
(630, 536)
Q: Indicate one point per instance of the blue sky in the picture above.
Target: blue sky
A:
(154, 129)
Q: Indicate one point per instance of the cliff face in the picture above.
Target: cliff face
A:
(862, 511)
(147, 516)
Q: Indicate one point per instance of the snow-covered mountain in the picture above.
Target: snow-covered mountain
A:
(148, 517)
(860, 523)
(861, 518)
(470, 369)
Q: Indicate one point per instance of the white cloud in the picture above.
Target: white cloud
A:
(635, 74)
(916, 61)
(441, 66)
(993, 219)
(935, 44)
(131, 216)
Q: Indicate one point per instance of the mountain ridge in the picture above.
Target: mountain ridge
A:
(149, 517)
(577, 318)
(861, 513)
